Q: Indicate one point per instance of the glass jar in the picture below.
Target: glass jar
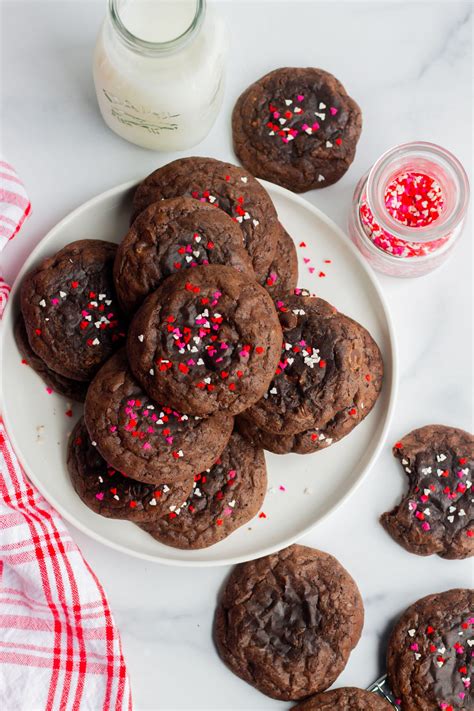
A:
(159, 71)
(409, 209)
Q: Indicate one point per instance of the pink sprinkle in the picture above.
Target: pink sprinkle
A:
(112, 428)
(169, 440)
(49, 390)
(227, 511)
(55, 301)
(150, 430)
(147, 445)
(276, 114)
(414, 646)
(315, 126)
(300, 97)
(425, 526)
(100, 495)
(333, 111)
(304, 126)
(224, 346)
(191, 362)
(306, 260)
(461, 694)
(84, 312)
(282, 488)
(311, 270)
(243, 354)
(232, 474)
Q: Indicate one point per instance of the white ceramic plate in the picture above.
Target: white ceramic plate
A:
(314, 485)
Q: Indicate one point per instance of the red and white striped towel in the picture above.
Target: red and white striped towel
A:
(14, 209)
(59, 647)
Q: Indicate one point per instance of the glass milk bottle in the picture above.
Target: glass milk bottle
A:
(159, 71)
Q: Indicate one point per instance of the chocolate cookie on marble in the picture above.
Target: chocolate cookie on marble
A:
(73, 389)
(148, 441)
(110, 493)
(430, 653)
(282, 275)
(287, 623)
(208, 339)
(296, 127)
(172, 235)
(224, 498)
(71, 313)
(437, 513)
(224, 186)
(347, 698)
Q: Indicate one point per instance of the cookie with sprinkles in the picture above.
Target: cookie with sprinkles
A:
(170, 236)
(296, 127)
(72, 389)
(224, 497)
(224, 186)
(208, 339)
(430, 653)
(436, 515)
(112, 494)
(282, 275)
(148, 441)
(346, 698)
(323, 363)
(287, 623)
(71, 313)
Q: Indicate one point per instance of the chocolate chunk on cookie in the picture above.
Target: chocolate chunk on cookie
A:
(347, 698)
(224, 186)
(73, 389)
(172, 235)
(110, 493)
(437, 513)
(208, 339)
(287, 623)
(224, 498)
(145, 440)
(71, 313)
(430, 653)
(282, 275)
(296, 127)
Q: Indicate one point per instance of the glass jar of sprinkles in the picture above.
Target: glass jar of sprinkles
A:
(409, 209)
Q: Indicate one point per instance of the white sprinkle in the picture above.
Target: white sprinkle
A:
(255, 223)
(197, 238)
(328, 144)
(461, 512)
(151, 371)
(321, 178)
(95, 342)
(412, 633)
(108, 301)
(321, 116)
(450, 519)
(321, 105)
(93, 443)
(408, 470)
(141, 337)
(101, 480)
(244, 180)
(42, 303)
(440, 457)
(165, 489)
(152, 502)
(273, 391)
(288, 102)
(62, 294)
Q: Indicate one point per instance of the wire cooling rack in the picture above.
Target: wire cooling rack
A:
(382, 688)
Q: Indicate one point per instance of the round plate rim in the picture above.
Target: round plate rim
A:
(392, 385)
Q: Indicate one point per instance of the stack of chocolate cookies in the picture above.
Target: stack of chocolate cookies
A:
(194, 351)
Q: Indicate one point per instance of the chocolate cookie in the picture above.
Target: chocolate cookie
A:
(208, 339)
(368, 386)
(320, 368)
(73, 389)
(225, 186)
(437, 513)
(172, 235)
(224, 497)
(70, 309)
(287, 623)
(347, 698)
(147, 441)
(110, 493)
(282, 275)
(296, 127)
(430, 653)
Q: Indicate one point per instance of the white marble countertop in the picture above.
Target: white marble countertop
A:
(409, 66)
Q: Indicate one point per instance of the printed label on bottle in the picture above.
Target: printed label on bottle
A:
(141, 117)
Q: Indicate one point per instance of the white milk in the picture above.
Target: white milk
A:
(160, 96)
